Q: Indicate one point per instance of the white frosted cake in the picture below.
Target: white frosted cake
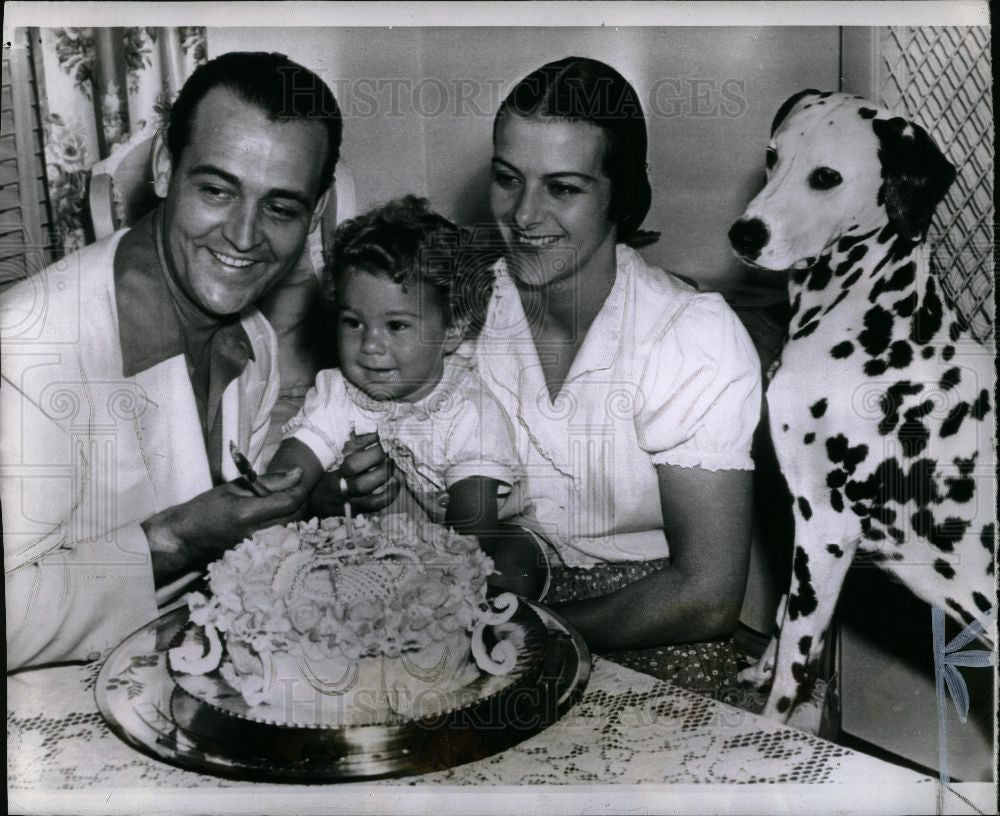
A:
(311, 625)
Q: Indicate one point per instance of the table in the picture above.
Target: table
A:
(628, 732)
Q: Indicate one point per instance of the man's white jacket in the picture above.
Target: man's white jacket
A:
(87, 455)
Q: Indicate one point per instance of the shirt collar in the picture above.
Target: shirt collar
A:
(148, 332)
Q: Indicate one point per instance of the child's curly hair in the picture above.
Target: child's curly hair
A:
(409, 243)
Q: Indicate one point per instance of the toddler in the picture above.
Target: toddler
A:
(406, 293)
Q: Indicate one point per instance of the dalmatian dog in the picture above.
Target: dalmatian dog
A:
(881, 404)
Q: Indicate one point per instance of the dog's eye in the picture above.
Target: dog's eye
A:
(824, 178)
(771, 158)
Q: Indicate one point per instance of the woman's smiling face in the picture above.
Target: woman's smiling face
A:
(551, 198)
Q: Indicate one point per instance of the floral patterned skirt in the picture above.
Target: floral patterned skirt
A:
(708, 667)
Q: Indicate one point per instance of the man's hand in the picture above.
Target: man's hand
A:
(371, 477)
(190, 535)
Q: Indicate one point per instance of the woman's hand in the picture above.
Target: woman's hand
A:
(190, 535)
(370, 475)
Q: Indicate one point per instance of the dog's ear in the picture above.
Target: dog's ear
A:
(787, 105)
(916, 175)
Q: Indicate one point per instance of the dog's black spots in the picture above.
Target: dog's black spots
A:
(966, 466)
(807, 105)
(799, 672)
(818, 408)
(922, 522)
(951, 378)
(783, 704)
(901, 279)
(848, 241)
(890, 403)
(851, 279)
(905, 306)
(820, 276)
(857, 253)
(955, 331)
(836, 478)
(965, 616)
(874, 534)
(888, 483)
(944, 568)
(805, 644)
(836, 448)
(900, 354)
(833, 305)
(804, 508)
(986, 536)
(875, 367)
(842, 350)
(913, 436)
(842, 267)
(944, 536)
(947, 353)
(839, 450)
(795, 306)
(982, 602)
(808, 438)
(954, 419)
(888, 231)
(900, 248)
(785, 427)
(858, 508)
(960, 489)
(834, 550)
(866, 113)
(926, 321)
(981, 406)
(898, 536)
(803, 601)
(799, 276)
(877, 332)
(928, 352)
(836, 501)
(885, 515)
(806, 330)
(920, 411)
(809, 314)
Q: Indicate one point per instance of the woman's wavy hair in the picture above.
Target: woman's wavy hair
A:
(579, 89)
(410, 244)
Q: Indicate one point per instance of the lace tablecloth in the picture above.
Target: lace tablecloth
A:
(628, 728)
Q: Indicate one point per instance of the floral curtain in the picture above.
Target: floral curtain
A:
(100, 87)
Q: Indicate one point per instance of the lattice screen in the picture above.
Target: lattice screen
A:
(941, 77)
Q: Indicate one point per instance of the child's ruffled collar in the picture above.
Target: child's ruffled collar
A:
(456, 368)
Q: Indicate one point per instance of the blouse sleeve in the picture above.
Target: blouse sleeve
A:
(700, 392)
(324, 422)
(480, 442)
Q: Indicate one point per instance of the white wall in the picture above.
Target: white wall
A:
(419, 104)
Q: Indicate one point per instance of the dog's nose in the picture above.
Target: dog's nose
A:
(748, 236)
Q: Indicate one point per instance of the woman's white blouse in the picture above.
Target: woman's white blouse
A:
(455, 432)
(665, 376)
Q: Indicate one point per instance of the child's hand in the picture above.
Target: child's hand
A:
(371, 477)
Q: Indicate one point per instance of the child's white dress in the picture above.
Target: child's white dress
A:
(457, 431)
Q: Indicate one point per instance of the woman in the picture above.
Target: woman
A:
(635, 397)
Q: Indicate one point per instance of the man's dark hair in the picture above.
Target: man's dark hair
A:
(283, 90)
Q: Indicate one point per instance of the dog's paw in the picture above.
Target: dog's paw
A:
(757, 675)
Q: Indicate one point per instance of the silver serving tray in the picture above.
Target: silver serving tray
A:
(146, 708)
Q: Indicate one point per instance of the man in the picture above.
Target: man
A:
(130, 366)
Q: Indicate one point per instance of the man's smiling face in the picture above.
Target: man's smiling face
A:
(239, 202)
